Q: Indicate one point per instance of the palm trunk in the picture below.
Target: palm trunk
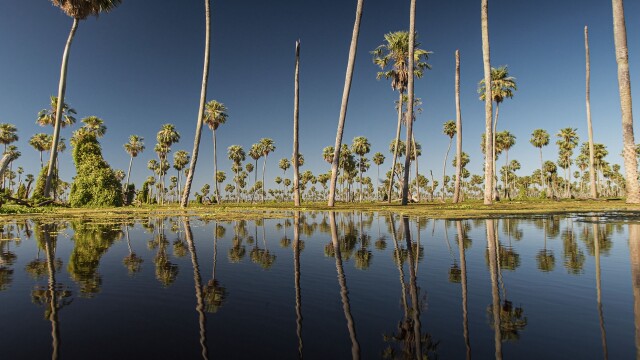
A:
(41, 163)
(360, 171)
(345, 103)
(264, 167)
(395, 150)
(463, 273)
(624, 87)
(296, 115)
(215, 167)
(197, 280)
(592, 172)
(444, 167)
(542, 182)
(413, 139)
(203, 99)
(62, 86)
(410, 94)
(496, 196)
(378, 181)
(488, 105)
(456, 190)
(493, 266)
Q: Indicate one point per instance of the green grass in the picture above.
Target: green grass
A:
(231, 211)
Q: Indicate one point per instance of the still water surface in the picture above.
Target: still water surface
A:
(322, 286)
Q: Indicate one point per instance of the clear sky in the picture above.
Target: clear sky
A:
(141, 66)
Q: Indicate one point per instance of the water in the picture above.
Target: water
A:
(168, 288)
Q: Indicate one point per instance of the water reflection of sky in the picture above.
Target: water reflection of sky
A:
(109, 304)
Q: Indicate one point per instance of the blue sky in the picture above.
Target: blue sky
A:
(140, 67)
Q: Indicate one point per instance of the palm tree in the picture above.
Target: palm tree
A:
(343, 107)
(624, 87)
(360, 147)
(456, 191)
(396, 51)
(449, 129)
(8, 134)
(180, 161)
(502, 87)
(201, 107)
(378, 159)
(134, 147)
(488, 104)
(237, 155)
(411, 94)
(267, 146)
(592, 172)
(284, 164)
(568, 140)
(40, 142)
(296, 120)
(255, 152)
(505, 140)
(47, 117)
(78, 10)
(215, 115)
(166, 137)
(94, 125)
(540, 138)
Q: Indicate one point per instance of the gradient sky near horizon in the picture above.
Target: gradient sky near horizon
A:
(141, 66)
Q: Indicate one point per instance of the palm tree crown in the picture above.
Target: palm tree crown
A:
(94, 125)
(396, 50)
(215, 114)
(48, 116)
(135, 145)
(502, 85)
(539, 138)
(81, 9)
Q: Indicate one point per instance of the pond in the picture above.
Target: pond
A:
(322, 285)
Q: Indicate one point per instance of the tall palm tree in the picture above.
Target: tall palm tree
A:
(237, 155)
(40, 142)
(449, 129)
(540, 138)
(267, 146)
(134, 147)
(488, 104)
(567, 141)
(345, 103)
(8, 134)
(395, 50)
(505, 140)
(411, 95)
(378, 159)
(180, 161)
(215, 115)
(456, 191)
(296, 119)
(255, 152)
(360, 147)
(284, 164)
(592, 171)
(502, 87)
(78, 10)
(166, 137)
(624, 87)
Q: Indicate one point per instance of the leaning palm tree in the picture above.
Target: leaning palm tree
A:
(395, 51)
(78, 10)
(624, 87)
(592, 173)
(540, 138)
(360, 147)
(134, 147)
(502, 87)
(237, 155)
(215, 114)
(267, 146)
(345, 102)
(449, 129)
(203, 97)
(488, 103)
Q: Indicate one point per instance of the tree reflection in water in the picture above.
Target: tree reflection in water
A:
(545, 259)
(197, 281)
(344, 292)
(262, 257)
(408, 342)
(132, 262)
(166, 271)
(462, 236)
(296, 279)
(214, 293)
(237, 251)
(634, 254)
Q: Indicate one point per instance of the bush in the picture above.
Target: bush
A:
(95, 183)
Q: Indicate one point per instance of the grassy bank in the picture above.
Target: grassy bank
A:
(470, 209)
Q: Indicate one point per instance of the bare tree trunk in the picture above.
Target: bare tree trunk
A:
(62, 86)
(592, 171)
(410, 94)
(456, 190)
(345, 103)
(296, 114)
(395, 150)
(488, 106)
(624, 86)
(444, 167)
(126, 186)
(203, 99)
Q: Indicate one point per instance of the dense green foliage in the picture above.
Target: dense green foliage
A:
(95, 183)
